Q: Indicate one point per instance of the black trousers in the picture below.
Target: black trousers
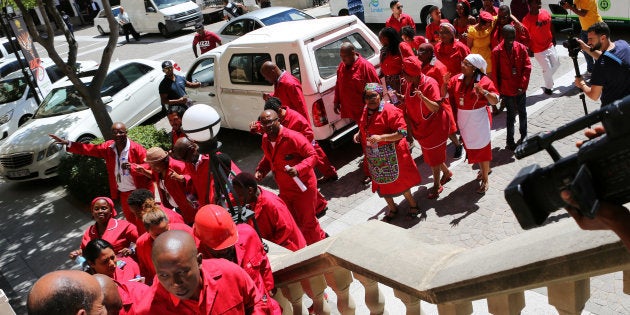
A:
(128, 28)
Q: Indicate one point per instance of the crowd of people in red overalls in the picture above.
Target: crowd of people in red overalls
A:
(185, 254)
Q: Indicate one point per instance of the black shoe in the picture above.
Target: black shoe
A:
(323, 179)
(511, 146)
(458, 151)
(547, 91)
(321, 213)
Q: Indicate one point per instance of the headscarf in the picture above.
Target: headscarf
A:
(412, 66)
(477, 61)
(486, 16)
(450, 28)
(110, 203)
(377, 87)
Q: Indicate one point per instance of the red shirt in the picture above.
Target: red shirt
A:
(207, 41)
(179, 191)
(119, 233)
(289, 90)
(452, 55)
(144, 247)
(390, 65)
(131, 293)
(539, 28)
(514, 69)
(175, 136)
(127, 271)
(432, 31)
(350, 84)
(275, 222)
(226, 290)
(410, 48)
(397, 24)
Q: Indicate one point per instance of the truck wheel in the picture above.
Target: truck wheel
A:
(24, 119)
(100, 30)
(163, 30)
(344, 12)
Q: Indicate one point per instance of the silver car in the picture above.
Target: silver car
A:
(246, 23)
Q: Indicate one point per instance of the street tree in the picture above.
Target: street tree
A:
(91, 91)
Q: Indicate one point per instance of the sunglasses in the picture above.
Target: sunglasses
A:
(399, 7)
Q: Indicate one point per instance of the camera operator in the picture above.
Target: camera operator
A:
(611, 71)
(588, 15)
(609, 216)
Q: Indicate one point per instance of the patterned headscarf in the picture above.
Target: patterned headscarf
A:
(450, 28)
(377, 87)
(477, 61)
(110, 203)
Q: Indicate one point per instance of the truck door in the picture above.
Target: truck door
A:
(204, 70)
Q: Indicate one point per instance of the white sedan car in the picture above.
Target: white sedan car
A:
(130, 94)
(101, 23)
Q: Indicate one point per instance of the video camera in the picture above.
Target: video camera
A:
(571, 44)
(600, 170)
(563, 2)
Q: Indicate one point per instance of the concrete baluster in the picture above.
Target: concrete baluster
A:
(460, 308)
(339, 280)
(509, 304)
(412, 303)
(569, 297)
(626, 281)
(293, 293)
(283, 301)
(374, 299)
(314, 288)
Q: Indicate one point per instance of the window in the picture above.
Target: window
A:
(327, 57)
(239, 28)
(294, 64)
(245, 68)
(291, 15)
(113, 84)
(280, 61)
(203, 72)
(133, 71)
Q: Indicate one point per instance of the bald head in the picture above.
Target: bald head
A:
(346, 52)
(119, 125)
(111, 298)
(185, 150)
(425, 52)
(65, 292)
(270, 71)
(178, 264)
(171, 243)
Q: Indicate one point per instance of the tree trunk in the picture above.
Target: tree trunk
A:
(103, 120)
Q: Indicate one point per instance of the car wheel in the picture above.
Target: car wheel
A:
(86, 138)
(24, 119)
(163, 30)
(100, 30)
(343, 12)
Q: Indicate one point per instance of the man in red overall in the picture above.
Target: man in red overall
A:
(286, 87)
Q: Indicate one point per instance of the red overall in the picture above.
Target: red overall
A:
(173, 217)
(144, 247)
(119, 233)
(289, 90)
(130, 270)
(131, 293)
(179, 191)
(349, 88)
(452, 55)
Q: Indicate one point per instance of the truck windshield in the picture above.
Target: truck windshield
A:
(12, 90)
(61, 101)
(161, 4)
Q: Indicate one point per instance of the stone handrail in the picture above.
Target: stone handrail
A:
(559, 256)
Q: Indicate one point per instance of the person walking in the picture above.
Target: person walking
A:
(286, 87)
(542, 42)
(398, 19)
(206, 40)
(125, 23)
(172, 89)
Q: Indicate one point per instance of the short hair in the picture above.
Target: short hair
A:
(408, 31)
(94, 248)
(393, 3)
(274, 104)
(139, 196)
(506, 8)
(177, 109)
(69, 297)
(433, 8)
(245, 180)
(509, 28)
(153, 218)
(600, 28)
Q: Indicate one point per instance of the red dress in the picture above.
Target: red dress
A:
(436, 69)
(119, 233)
(350, 83)
(431, 129)
(275, 222)
(452, 55)
(391, 167)
(473, 118)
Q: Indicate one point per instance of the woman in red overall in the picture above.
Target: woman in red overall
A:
(382, 130)
(391, 60)
(429, 121)
(472, 92)
(449, 50)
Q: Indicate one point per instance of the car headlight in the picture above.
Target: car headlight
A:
(168, 17)
(6, 117)
(52, 149)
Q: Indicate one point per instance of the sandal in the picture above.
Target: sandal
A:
(366, 180)
(483, 188)
(434, 193)
(445, 179)
(390, 215)
(413, 211)
(479, 174)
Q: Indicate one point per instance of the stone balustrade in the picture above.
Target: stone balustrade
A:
(558, 256)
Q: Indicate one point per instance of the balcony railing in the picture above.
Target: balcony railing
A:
(560, 257)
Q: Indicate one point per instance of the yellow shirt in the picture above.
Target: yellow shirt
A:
(592, 16)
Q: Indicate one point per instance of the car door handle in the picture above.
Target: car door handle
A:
(152, 79)
(127, 97)
(212, 94)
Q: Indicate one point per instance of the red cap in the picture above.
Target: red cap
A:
(214, 227)
(412, 66)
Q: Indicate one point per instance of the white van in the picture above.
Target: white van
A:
(378, 11)
(162, 16)
(233, 85)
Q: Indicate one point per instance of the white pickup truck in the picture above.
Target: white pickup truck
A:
(233, 85)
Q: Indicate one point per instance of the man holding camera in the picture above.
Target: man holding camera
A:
(611, 71)
(586, 10)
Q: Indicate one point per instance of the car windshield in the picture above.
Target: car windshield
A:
(12, 90)
(161, 4)
(61, 101)
(286, 16)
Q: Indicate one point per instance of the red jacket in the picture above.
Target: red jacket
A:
(119, 233)
(522, 35)
(177, 190)
(405, 20)
(292, 149)
(144, 247)
(106, 150)
(289, 90)
(275, 222)
(350, 84)
(514, 69)
(131, 293)
(226, 290)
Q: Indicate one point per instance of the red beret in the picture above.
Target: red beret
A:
(412, 66)
(486, 16)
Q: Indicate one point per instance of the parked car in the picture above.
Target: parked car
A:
(256, 19)
(101, 23)
(17, 99)
(130, 96)
(233, 85)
